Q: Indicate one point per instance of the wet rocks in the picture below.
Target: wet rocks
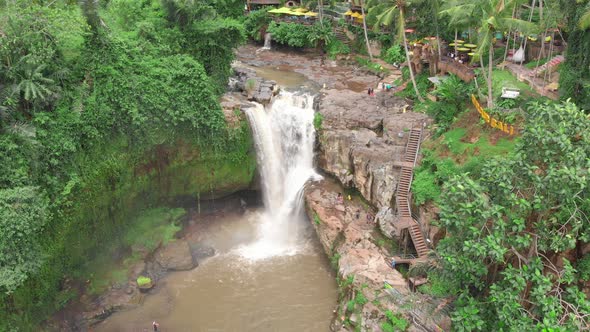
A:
(256, 88)
(176, 256)
(200, 252)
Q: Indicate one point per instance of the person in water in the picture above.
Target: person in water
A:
(155, 325)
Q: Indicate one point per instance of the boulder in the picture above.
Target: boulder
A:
(176, 256)
(385, 218)
(200, 251)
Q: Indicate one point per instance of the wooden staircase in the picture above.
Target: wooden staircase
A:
(548, 65)
(403, 193)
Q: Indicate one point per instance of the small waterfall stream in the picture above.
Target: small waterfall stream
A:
(267, 41)
(284, 138)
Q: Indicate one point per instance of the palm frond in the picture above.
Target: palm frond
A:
(519, 25)
(584, 22)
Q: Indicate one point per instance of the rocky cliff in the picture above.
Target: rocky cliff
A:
(362, 143)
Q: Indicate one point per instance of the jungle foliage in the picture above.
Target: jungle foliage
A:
(87, 91)
(513, 232)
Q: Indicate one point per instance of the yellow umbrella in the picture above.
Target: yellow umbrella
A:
(348, 13)
(463, 49)
(470, 45)
(296, 13)
(459, 41)
(313, 14)
(282, 10)
(356, 15)
(300, 10)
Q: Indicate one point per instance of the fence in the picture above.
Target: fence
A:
(494, 123)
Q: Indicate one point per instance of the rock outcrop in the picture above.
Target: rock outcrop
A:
(254, 87)
(363, 141)
(176, 256)
(345, 229)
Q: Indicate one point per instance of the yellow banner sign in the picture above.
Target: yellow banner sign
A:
(507, 128)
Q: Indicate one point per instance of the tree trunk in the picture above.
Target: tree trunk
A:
(365, 31)
(410, 66)
(437, 31)
(489, 78)
(321, 10)
(455, 41)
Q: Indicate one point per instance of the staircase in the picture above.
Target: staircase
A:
(403, 192)
(548, 65)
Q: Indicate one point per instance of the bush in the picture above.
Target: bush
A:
(438, 286)
(425, 187)
(317, 121)
(290, 34)
(452, 93)
(336, 47)
(422, 83)
(143, 281)
(395, 54)
(255, 22)
(394, 322)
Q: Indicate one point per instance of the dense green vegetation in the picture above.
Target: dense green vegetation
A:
(105, 107)
(513, 233)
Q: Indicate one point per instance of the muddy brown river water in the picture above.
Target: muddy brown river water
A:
(291, 292)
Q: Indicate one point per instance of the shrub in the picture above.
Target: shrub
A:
(143, 281)
(395, 54)
(320, 34)
(318, 118)
(250, 85)
(424, 187)
(438, 286)
(336, 47)
(255, 22)
(290, 34)
(394, 322)
(422, 83)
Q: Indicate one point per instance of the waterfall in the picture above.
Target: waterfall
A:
(284, 140)
(267, 40)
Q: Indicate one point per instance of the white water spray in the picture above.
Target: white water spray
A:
(284, 138)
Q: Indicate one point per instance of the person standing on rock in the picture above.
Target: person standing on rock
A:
(156, 326)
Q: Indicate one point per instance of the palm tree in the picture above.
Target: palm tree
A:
(397, 8)
(365, 30)
(493, 15)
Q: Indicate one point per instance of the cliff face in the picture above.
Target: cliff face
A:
(363, 141)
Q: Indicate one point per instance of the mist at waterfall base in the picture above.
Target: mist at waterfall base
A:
(284, 138)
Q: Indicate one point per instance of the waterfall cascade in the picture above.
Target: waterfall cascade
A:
(284, 139)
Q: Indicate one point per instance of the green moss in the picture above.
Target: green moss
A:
(152, 227)
(143, 281)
